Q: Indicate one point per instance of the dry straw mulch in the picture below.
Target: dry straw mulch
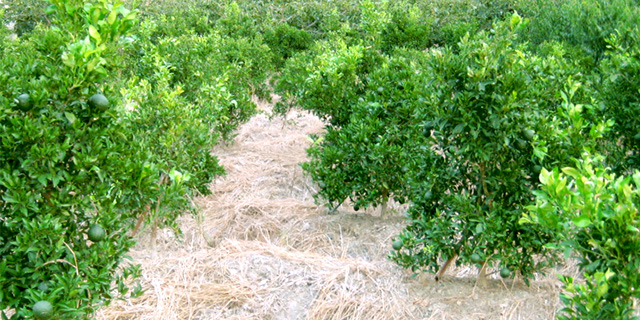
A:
(260, 248)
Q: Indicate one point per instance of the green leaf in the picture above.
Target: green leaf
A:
(632, 228)
(544, 176)
(68, 59)
(515, 21)
(93, 63)
(581, 221)
(603, 288)
(112, 17)
(93, 32)
(571, 172)
(70, 117)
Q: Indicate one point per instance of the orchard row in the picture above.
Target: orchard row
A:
(510, 128)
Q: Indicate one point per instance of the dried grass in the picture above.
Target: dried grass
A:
(260, 248)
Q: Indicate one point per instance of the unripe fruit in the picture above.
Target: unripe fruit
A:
(24, 102)
(397, 245)
(96, 233)
(42, 310)
(99, 102)
(505, 272)
(528, 134)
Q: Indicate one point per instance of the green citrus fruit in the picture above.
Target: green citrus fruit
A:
(637, 136)
(43, 286)
(428, 195)
(537, 168)
(521, 144)
(99, 102)
(528, 134)
(24, 102)
(42, 310)
(96, 233)
(397, 245)
(505, 272)
(475, 258)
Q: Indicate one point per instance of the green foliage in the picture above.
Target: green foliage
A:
(91, 143)
(177, 147)
(583, 25)
(217, 75)
(407, 27)
(329, 80)
(595, 215)
(24, 15)
(489, 115)
(285, 40)
(64, 166)
(365, 157)
(621, 98)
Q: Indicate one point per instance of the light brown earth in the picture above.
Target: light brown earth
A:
(260, 248)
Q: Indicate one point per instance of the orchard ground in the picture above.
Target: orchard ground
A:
(260, 248)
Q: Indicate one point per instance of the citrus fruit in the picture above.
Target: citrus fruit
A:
(99, 102)
(43, 286)
(42, 310)
(397, 245)
(428, 195)
(537, 168)
(521, 144)
(505, 272)
(24, 102)
(528, 134)
(475, 258)
(96, 233)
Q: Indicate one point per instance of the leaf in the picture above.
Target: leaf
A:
(112, 17)
(92, 64)
(458, 128)
(568, 249)
(562, 183)
(603, 288)
(93, 32)
(544, 176)
(581, 221)
(515, 21)
(571, 172)
(70, 117)
(68, 59)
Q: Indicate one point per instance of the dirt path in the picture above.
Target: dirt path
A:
(260, 248)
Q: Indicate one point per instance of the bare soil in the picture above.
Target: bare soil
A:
(261, 248)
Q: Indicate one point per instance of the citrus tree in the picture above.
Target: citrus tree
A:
(87, 150)
(367, 156)
(367, 80)
(620, 74)
(366, 98)
(595, 215)
(66, 163)
(491, 119)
